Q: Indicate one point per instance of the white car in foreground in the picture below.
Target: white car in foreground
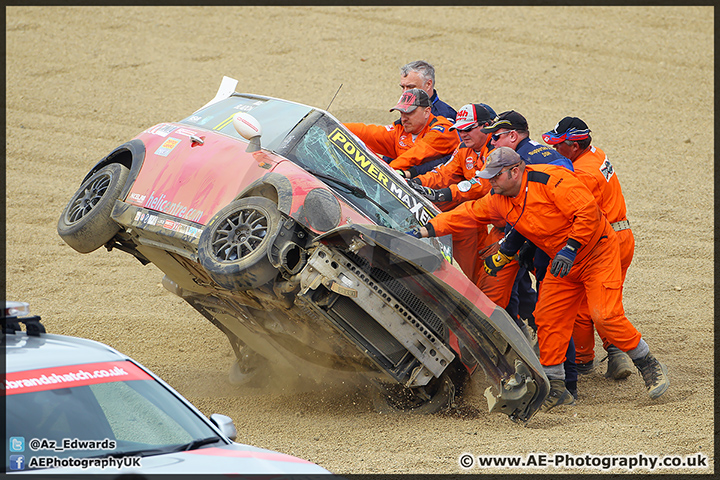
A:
(78, 406)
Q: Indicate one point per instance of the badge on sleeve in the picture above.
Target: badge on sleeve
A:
(464, 186)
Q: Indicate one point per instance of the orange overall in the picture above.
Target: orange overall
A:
(597, 173)
(459, 174)
(462, 167)
(434, 141)
(553, 206)
(497, 288)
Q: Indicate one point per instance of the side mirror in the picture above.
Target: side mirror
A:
(225, 424)
(249, 128)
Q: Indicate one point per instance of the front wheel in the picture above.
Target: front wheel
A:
(234, 246)
(85, 223)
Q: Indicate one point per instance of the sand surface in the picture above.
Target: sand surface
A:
(83, 80)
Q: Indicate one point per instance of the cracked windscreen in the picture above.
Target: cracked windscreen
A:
(344, 164)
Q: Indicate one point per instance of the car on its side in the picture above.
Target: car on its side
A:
(74, 406)
(280, 227)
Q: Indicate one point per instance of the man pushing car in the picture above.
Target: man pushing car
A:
(417, 137)
(549, 206)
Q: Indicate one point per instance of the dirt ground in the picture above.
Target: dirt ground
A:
(82, 80)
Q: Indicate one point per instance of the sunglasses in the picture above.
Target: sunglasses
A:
(497, 175)
(496, 136)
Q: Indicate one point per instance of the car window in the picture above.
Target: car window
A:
(137, 412)
(276, 117)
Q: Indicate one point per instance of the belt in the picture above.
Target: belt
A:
(621, 225)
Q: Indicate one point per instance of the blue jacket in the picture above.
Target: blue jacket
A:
(534, 153)
(441, 108)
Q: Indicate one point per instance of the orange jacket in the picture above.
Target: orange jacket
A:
(459, 174)
(552, 206)
(435, 141)
(597, 173)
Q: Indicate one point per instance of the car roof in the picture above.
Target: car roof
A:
(30, 352)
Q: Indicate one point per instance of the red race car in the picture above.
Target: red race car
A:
(280, 227)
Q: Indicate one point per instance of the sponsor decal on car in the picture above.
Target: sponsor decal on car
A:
(144, 218)
(136, 198)
(351, 150)
(69, 376)
(181, 228)
(247, 108)
(167, 146)
(163, 129)
(176, 209)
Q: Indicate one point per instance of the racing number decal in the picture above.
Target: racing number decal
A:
(344, 144)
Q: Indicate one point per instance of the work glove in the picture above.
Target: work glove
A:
(413, 181)
(526, 256)
(563, 261)
(415, 232)
(441, 195)
(494, 263)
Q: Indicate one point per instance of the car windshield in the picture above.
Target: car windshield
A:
(136, 417)
(318, 143)
(322, 146)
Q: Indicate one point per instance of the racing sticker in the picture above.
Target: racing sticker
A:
(167, 146)
(163, 130)
(340, 140)
(136, 198)
(69, 376)
(145, 218)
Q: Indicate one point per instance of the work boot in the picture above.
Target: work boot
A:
(654, 374)
(585, 368)
(619, 364)
(559, 395)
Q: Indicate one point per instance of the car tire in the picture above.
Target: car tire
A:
(85, 223)
(397, 399)
(233, 248)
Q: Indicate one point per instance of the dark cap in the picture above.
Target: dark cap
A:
(411, 99)
(498, 159)
(471, 115)
(511, 120)
(569, 128)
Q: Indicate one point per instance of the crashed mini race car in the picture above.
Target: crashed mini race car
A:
(281, 228)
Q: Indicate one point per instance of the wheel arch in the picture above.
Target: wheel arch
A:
(130, 154)
(273, 186)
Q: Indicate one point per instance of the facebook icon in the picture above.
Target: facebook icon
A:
(17, 462)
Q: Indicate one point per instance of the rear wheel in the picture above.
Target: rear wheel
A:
(234, 246)
(85, 223)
